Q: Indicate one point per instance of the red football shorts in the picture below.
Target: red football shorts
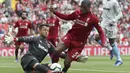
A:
(19, 43)
(74, 47)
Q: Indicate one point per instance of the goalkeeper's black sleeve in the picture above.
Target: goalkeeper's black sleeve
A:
(27, 39)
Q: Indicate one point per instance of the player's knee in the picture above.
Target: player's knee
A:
(63, 55)
(112, 41)
(113, 44)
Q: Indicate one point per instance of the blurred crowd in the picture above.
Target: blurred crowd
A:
(38, 12)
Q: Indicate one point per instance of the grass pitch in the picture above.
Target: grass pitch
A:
(95, 64)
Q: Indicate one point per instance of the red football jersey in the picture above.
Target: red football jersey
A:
(54, 27)
(23, 26)
(84, 24)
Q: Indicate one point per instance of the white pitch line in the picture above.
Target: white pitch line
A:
(94, 70)
(9, 66)
(72, 69)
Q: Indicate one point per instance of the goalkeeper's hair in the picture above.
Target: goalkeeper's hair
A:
(41, 25)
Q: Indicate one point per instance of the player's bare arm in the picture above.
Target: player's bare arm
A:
(71, 16)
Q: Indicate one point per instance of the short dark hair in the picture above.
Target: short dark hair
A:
(24, 12)
(87, 2)
(41, 25)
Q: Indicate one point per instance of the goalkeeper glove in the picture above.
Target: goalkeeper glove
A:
(9, 38)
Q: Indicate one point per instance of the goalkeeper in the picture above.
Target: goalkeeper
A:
(39, 47)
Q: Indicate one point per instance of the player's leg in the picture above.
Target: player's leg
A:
(72, 55)
(97, 38)
(37, 69)
(112, 34)
(67, 64)
(61, 47)
(63, 55)
(28, 62)
(21, 48)
(116, 51)
(54, 58)
(43, 68)
(16, 51)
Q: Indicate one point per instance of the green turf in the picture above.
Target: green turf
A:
(97, 64)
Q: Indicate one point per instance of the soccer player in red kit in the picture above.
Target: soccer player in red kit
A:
(53, 29)
(76, 37)
(53, 35)
(23, 26)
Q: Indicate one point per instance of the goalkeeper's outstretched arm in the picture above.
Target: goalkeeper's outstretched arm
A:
(26, 39)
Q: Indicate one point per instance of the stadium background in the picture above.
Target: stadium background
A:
(98, 62)
(38, 13)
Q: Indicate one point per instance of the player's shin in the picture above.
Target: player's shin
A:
(65, 69)
(21, 52)
(67, 64)
(16, 55)
(108, 47)
(116, 51)
(57, 52)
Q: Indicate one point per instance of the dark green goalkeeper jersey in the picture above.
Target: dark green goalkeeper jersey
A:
(39, 47)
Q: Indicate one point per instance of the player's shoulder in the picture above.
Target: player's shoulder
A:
(94, 17)
(77, 12)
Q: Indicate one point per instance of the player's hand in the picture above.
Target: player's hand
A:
(52, 9)
(8, 38)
